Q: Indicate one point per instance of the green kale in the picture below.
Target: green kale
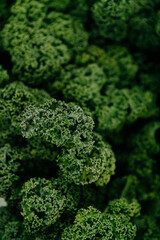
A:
(84, 158)
(44, 42)
(41, 204)
(9, 166)
(11, 226)
(111, 18)
(124, 106)
(79, 119)
(65, 125)
(4, 77)
(92, 224)
(96, 166)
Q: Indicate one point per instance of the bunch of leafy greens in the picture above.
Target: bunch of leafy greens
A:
(79, 119)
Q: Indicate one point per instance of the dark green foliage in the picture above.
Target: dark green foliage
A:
(117, 63)
(136, 21)
(119, 66)
(148, 139)
(11, 227)
(9, 164)
(18, 163)
(42, 46)
(122, 206)
(14, 97)
(142, 159)
(5, 11)
(4, 77)
(120, 106)
(41, 204)
(48, 56)
(14, 230)
(17, 96)
(79, 119)
(112, 17)
(141, 163)
(78, 196)
(60, 5)
(84, 158)
(153, 231)
(81, 84)
(93, 53)
(68, 29)
(142, 32)
(143, 25)
(71, 192)
(64, 125)
(96, 166)
(113, 224)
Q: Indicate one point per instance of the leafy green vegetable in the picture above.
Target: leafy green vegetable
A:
(114, 223)
(80, 119)
(41, 204)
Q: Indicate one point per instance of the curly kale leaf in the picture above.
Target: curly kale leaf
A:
(97, 166)
(41, 204)
(64, 125)
(92, 224)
